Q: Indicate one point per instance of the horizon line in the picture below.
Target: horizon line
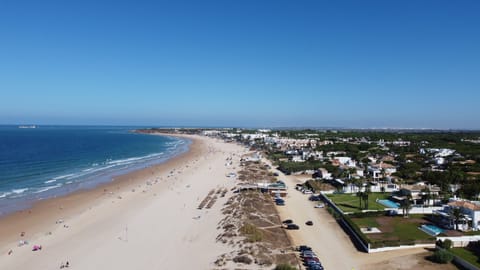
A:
(324, 128)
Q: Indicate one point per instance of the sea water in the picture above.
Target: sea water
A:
(48, 161)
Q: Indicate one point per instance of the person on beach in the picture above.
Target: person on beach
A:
(66, 265)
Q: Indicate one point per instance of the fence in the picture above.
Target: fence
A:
(371, 247)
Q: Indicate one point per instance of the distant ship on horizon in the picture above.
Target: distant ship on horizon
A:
(27, 126)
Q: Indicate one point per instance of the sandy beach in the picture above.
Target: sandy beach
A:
(143, 220)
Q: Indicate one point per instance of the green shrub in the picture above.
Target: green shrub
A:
(252, 233)
(447, 244)
(284, 266)
(442, 256)
(367, 214)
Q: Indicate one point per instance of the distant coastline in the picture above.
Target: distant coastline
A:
(27, 126)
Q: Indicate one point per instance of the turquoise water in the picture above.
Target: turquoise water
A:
(388, 203)
(432, 229)
(48, 161)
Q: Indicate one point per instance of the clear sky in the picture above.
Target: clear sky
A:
(408, 64)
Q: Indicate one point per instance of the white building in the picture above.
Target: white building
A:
(347, 161)
(471, 212)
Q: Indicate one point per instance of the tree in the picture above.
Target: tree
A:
(360, 198)
(456, 214)
(365, 195)
(442, 256)
(426, 196)
(359, 184)
(365, 199)
(406, 205)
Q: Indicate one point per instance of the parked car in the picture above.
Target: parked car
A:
(292, 226)
(307, 253)
(309, 223)
(280, 203)
(307, 191)
(313, 263)
(320, 205)
(311, 259)
(304, 248)
(287, 221)
(314, 198)
(315, 267)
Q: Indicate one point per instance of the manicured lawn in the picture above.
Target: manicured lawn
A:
(467, 255)
(407, 228)
(366, 222)
(395, 228)
(351, 203)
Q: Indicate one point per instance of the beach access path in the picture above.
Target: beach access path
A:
(152, 222)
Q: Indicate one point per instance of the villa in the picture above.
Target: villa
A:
(470, 218)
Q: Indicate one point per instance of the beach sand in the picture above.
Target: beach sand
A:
(143, 220)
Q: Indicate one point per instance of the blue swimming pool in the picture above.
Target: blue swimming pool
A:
(388, 203)
(431, 229)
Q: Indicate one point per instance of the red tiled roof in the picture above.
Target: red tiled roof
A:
(465, 204)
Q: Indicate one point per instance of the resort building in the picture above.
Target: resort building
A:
(277, 189)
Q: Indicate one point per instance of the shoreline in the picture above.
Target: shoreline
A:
(141, 219)
(86, 177)
(32, 218)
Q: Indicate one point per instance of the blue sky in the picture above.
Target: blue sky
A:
(409, 64)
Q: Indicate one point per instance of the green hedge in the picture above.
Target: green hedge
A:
(367, 214)
(357, 230)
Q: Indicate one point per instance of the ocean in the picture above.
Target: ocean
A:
(48, 161)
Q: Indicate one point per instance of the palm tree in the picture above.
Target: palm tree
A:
(406, 205)
(360, 197)
(365, 195)
(359, 184)
(426, 196)
(365, 199)
(456, 214)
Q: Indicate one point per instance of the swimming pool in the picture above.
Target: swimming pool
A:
(431, 229)
(389, 203)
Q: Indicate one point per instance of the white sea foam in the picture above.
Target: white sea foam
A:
(47, 188)
(132, 160)
(92, 170)
(19, 190)
(62, 176)
(5, 194)
(50, 181)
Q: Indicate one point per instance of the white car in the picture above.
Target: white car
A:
(320, 205)
(307, 191)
